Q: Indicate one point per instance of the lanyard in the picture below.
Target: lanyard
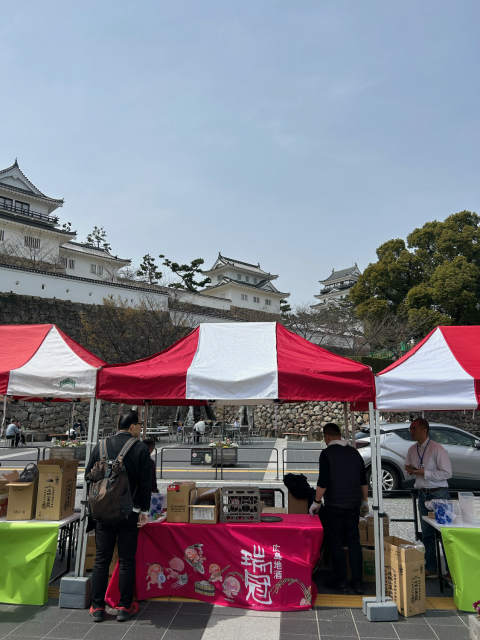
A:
(421, 457)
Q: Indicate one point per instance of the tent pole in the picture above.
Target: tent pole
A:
(381, 515)
(93, 421)
(352, 426)
(345, 420)
(4, 416)
(375, 505)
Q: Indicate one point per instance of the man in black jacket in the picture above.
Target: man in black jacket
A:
(138, 468)
(342, 483)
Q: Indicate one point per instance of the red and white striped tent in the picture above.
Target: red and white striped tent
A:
(238, 363)
(441, 372)
(40, 361)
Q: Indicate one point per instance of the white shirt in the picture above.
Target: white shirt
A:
(435, 461)
(12, 429)
(199, 426)
(342, 442)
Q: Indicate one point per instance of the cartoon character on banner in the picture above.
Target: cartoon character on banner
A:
(231, 586)
(195, 558)
(174, 572)
(155, 576)
(216, 572)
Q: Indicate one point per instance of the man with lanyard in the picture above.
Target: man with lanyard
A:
(428, 461)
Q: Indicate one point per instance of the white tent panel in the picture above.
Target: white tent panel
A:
(55, 370)
(431, 378)
(226, 368)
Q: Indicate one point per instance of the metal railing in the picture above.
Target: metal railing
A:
(19, 450)
(36, 215)
(218, 461)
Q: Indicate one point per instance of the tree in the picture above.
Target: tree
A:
(98, 238)
(187, 274)
(434, 279)
(148, 270)
(285, 308)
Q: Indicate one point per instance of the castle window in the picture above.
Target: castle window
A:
(63, 261)
(244, 296)
(247, 278)
(2, 235)
(239, 276)
(71, 263)
(256, 299)
(99, 270)
(24, 207)
(6, 203)
(31, 242)
(268, 302)
(93, 268)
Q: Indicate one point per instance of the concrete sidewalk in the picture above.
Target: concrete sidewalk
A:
(179, 620)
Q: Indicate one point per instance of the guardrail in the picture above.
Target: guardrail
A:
(220, 461)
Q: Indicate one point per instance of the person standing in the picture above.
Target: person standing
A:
(342, 483)
(428, 461)
(198, 430)
(138, 468)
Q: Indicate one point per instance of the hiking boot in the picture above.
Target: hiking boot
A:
(98, 614)
(124, 614)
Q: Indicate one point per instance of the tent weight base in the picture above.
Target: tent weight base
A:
(380, 611)
(74, 592)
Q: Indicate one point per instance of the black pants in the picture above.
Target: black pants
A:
(341, 529)
(125, 535)
(428, 532)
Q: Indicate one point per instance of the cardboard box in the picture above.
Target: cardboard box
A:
(57, 484)
(405, 575)
(296, 505)
(204, 513)
(370, 532)
(274, 510)
(363, 531)
(21, 500)
(178, 501)
(368, 564)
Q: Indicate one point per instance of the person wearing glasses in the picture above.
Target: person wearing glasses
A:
(428, 461)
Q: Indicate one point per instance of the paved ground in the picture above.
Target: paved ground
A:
(201, 621)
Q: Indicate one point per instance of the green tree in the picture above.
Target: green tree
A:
(187, 274)
(433, 279)
(285, 308)
(98, 238)
(148, 270)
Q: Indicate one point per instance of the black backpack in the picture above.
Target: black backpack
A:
(109, 497)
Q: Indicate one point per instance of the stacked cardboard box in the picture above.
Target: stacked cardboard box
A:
(297, 505)
(57, 484)
(367, 540)
(405, 575)
(204, 513)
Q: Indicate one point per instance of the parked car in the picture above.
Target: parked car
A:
(395, 440)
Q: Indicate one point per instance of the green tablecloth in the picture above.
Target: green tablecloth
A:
(462, 548)
(27, 554)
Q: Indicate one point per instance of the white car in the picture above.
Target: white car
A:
(395, 440)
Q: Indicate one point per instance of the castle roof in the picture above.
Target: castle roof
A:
(342, 274)
(13, 179)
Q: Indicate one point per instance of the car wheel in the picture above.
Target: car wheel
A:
(390, 479)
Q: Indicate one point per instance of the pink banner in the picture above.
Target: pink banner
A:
(254, 566)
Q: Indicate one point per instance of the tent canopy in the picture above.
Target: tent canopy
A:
(39, 360)
(238, 363)
(441, 372)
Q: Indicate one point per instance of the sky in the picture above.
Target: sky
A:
(301, 135)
